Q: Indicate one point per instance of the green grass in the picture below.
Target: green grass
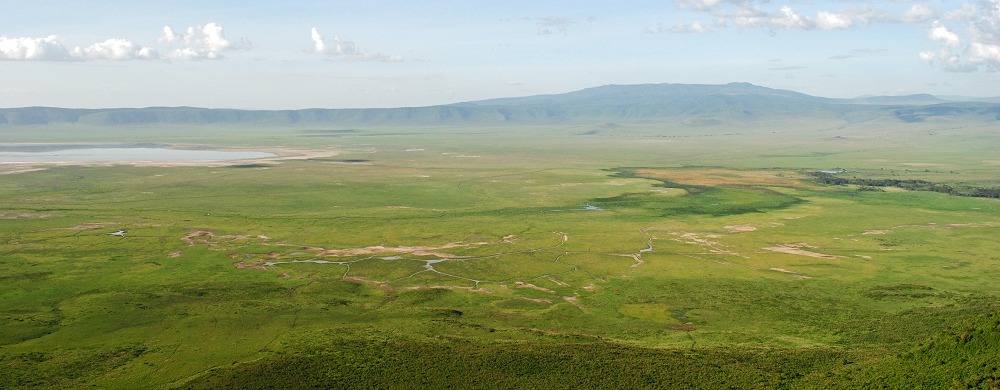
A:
(540, 293)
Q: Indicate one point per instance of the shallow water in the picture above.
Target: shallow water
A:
(52, 153)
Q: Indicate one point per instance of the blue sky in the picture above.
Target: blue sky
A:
(336, 54)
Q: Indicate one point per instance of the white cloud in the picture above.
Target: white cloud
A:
(831, 21)
(918, 13)
(695, 27)
(700, 5)
(49, 48)
(974, 44)
(984, 54)
(941, 34)
(346, 49)
(748, 14)
(787, 18)
(203, 42)
(115, 50)
(206, 42)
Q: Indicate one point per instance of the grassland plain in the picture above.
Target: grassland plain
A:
(624, 255)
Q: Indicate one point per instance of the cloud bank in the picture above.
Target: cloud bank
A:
(206, 42)
(751, 14)
(197, 43)
(969, 40)
(346, 49)
(52, 48)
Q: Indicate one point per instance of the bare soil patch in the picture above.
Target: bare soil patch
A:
(189, 238)
(533, 287)
(258, 265)
(411, 250)
(796, 249)
(23, 215)
(739, 228)
(575, 301)
(557, 281)
(796, 274)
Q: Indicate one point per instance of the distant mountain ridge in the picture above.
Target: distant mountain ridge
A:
(695, 103)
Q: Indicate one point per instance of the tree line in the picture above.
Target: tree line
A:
(913, 185)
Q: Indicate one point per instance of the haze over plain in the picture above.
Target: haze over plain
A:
(264, 55)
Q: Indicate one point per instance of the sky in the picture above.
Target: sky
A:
(364, 53)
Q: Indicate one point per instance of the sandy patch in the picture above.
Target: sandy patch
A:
(590, 287)
(575, 301)
(539, 300)
(93, 226)
(557, 281)
(637, 258)
(23, 215)
(189, 238)
(533, 287)
(795, 274)
(877, 232)
(411, 250)
(796, 249)
(739, 228)
(864, 257)
(259, 265)
(175, 254)
(384, 286)
(11, 169)
(459, 288)
(694, 238)
(510, 239)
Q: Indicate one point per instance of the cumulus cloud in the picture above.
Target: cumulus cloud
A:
(206, 42)
(346, 49)
(49, 48)
(918, 13)
(970, 41)
(700, 5)
(750, 14)
(941, 34)
(52, 48)
(115, 50)
(196, 43)
(831, 21)
(787, 18)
